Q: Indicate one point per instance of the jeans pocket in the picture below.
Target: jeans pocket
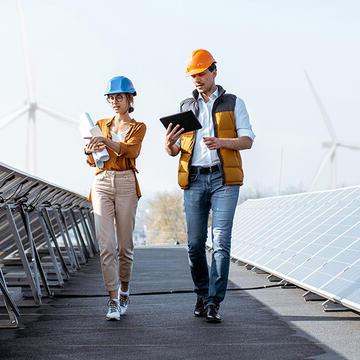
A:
(100, 175)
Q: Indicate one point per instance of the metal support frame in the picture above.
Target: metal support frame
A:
(68, 248)
(287, 285)
(66, 231)
(91, 247)
(33, 235)
(310, 296)
(258, 271)
(90, 217)
(72, 227)
(10, 305)
(51, 231)
(50, 248)
(91, 223)
(35, 290)
(238, 262)
(331, 306)
(38, 269)
(78, 231)
(88, 232)
(273, 278)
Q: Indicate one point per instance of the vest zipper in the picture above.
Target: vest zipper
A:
(216, 134)
(196, 111)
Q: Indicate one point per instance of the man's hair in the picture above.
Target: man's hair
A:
(212, 67)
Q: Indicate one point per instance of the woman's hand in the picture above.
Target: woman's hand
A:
(96, 143)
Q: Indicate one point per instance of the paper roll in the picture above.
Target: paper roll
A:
(89, 129)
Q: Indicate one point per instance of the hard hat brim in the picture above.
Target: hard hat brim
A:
(196, 71)
(123, 92)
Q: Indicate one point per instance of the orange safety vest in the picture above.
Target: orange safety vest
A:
(224, 125)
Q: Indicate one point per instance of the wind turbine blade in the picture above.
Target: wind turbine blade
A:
(351, 147)
(7, 119)
(29, 79)
(323, 112)
(326, 158)
(59, 116)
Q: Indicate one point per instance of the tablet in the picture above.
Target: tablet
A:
(186, 120)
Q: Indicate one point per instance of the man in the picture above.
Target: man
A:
(210, 172)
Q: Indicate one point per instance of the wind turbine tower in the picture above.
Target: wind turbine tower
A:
(31, 106)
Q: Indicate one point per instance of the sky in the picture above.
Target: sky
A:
(262, 49)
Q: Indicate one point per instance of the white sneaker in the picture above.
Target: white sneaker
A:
(124, 301)
(113, 310)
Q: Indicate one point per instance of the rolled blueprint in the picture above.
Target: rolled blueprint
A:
(87, 129)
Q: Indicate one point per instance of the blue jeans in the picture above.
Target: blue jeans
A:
(208, 192)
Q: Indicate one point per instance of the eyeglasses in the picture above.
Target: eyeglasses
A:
(115, 98)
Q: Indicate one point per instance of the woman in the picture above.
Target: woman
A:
(115, 192)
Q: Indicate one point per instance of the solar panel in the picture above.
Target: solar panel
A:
(46, 233)
(311, 240)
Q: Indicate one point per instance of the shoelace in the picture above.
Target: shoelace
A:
(113, 306)
(124, 300)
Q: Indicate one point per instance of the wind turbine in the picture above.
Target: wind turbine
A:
(330, 155)
(31, 106)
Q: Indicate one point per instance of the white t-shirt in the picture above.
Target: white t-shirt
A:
(119, 136)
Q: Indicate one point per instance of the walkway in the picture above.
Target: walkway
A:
(161, 326)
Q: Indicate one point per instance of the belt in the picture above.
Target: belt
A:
(204, 170)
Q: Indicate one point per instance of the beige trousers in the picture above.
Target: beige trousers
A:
(114, 203)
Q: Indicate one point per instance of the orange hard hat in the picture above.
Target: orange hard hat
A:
(200, 60)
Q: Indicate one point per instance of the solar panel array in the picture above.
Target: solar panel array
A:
(46, 234)
(311, 240)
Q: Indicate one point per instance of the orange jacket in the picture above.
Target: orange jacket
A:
(129, 149)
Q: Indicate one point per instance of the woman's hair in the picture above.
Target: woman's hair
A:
(130, 99)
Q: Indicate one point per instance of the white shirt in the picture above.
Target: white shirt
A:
(119, 136)
(202, 156)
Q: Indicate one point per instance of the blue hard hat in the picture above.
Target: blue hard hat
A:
(120, 84)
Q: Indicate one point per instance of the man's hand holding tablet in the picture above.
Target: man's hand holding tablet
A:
(186, 120)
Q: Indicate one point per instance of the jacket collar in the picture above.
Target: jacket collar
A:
(108, 123)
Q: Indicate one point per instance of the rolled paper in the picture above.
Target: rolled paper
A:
(88, 129)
